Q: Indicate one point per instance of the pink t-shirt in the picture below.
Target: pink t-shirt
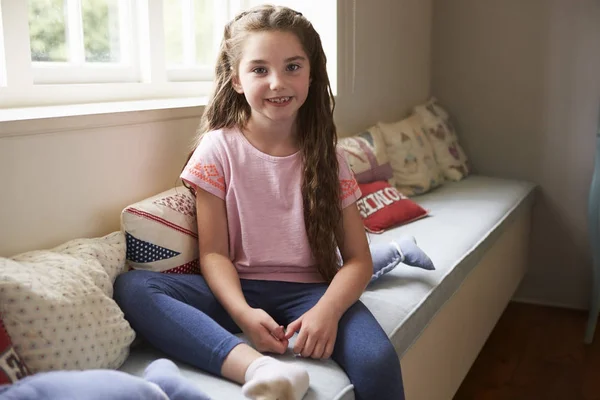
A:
(263, 199)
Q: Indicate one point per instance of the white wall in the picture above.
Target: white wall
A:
(523, 80)
(70, 177)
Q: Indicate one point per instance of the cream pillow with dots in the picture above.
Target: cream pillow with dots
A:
(58, 309)
(411, 156)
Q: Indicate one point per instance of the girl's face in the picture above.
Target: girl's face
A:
(273, 75)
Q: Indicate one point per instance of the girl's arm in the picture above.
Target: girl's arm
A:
(218, 271)
(223, 280)
(352, 279)
(318, 326)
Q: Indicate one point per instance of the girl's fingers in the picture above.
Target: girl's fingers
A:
(309, 347)
(300, 341)
(329, 349)
(278, 333)
(318, 351)
(293, 328)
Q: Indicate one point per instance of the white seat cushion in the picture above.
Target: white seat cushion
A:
(466, 217)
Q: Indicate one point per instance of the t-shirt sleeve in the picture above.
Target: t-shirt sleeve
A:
(205, 168)
(350, 192)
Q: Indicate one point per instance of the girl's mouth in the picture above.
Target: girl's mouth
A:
(280, 101)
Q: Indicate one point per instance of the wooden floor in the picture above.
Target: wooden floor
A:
(535, 353)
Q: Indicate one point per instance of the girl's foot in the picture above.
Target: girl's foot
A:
(270, 379)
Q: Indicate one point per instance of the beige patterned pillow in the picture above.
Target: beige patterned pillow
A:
(411, 156)
(58, 309)
(440, 130)
(367, 156)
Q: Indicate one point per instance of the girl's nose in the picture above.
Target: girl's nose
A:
(276, 82)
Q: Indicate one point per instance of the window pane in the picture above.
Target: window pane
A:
(204, 18)
(101, 30)
(173, 31)
(47, 30)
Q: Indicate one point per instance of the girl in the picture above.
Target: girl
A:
(275, 202)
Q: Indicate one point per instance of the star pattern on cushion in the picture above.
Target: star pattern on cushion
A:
(140, 251)
(193, 267)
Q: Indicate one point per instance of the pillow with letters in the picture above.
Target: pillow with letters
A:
(12, 366)
(383, 207)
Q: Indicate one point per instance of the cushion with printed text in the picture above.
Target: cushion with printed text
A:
(383, 207)
(12, 366)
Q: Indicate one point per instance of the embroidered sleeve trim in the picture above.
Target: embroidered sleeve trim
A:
(208, 173)
(349, 187)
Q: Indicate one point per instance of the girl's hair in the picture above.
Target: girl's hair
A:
(317, 135)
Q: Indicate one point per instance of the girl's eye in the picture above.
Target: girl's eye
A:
(260, 70)
(293, 67)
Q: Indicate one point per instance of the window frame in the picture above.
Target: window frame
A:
(76, 70)
(34, 84)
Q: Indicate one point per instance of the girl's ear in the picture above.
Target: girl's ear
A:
(237, 86)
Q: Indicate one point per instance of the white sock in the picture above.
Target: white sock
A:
(270, 379)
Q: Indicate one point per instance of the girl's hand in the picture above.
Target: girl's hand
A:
(263, 331)
(318, 331)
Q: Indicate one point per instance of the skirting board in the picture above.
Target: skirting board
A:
(436, 364)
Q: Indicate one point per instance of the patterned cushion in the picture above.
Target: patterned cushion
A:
(366, 156)
(440, 130)
(12, 366)
(411, 156)
(162, 232)
(58, 309)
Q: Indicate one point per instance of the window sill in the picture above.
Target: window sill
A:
(61, 111)
(64, 118)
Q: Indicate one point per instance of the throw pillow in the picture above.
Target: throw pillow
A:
(12, 366)
(58, 309)
(440, 130)
(367, 156)
(383, 207)
(411, 156)
(162, 232)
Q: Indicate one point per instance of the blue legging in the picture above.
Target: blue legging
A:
(179, 315)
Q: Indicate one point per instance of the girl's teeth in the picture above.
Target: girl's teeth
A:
(279, 100)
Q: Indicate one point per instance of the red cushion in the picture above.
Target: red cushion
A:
(12, 367)
(382, 207)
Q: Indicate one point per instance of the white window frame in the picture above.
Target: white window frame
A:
(188, 70)
(28, 84)
(2, 58)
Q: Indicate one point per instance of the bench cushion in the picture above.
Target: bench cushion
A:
(465, 219)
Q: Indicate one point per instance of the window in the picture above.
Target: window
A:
(79, 41)
(82, 51)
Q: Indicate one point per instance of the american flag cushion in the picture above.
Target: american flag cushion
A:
(161, 233)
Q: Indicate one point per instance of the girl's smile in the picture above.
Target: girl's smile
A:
(280, 101)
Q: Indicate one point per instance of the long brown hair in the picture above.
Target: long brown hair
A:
(316, 130)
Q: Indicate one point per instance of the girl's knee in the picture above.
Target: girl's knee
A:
(133, 285)
(379, 357)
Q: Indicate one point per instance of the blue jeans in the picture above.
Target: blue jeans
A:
(179, 315)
